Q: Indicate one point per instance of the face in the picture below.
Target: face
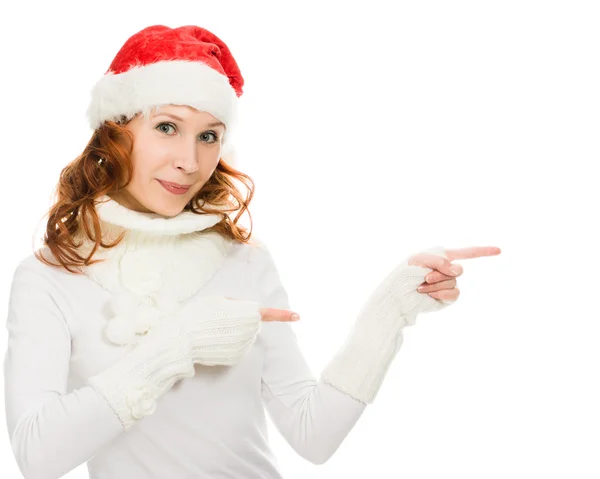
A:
(175, 151)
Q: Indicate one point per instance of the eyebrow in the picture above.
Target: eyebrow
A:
(175, 117)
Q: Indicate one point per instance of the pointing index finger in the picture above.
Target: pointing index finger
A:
(275, 314)
(472, 252)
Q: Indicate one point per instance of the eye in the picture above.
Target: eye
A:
(209, 137)
(165, 127)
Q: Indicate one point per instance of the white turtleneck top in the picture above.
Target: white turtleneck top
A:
(208, 426)
(69, 334)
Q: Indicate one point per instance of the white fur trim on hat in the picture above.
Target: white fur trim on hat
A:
(173, 82)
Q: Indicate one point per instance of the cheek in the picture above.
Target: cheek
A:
(209, 167)
(146, 162)
(209, 161)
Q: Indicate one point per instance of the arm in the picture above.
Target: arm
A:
(311, 415)
(50, 431)
(315, 416)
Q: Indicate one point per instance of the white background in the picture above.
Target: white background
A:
(374, 130)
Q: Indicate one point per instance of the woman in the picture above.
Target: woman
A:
(150, 333)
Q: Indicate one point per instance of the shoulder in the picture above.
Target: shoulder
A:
(35, 272)
(31, 265)
(37, 298)
(256, 252)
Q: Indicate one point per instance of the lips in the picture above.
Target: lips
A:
(175, 188)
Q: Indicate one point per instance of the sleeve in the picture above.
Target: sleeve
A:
(312, 416)
(51, 431)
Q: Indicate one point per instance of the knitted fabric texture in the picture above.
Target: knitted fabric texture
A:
(361, 364)
(210, 331)
(159, 264)
(154, 276)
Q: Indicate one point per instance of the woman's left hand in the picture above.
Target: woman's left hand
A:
(441, 282)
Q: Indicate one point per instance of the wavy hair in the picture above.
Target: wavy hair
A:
(84, 180)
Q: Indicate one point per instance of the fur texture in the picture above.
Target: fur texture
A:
(172, 82)
(159, 66)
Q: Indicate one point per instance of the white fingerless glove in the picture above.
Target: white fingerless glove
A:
(210, 331)
(362, 362)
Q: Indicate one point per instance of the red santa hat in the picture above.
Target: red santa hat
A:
(159, 66)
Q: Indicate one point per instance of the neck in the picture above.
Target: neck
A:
(128, 201)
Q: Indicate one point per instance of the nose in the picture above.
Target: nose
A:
(187, 159)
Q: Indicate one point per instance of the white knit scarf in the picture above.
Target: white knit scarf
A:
(160, 263)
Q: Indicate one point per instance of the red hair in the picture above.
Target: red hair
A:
(83, 180)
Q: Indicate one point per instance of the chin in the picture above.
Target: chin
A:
(167, 207)
(167, 204)
(169, 211)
